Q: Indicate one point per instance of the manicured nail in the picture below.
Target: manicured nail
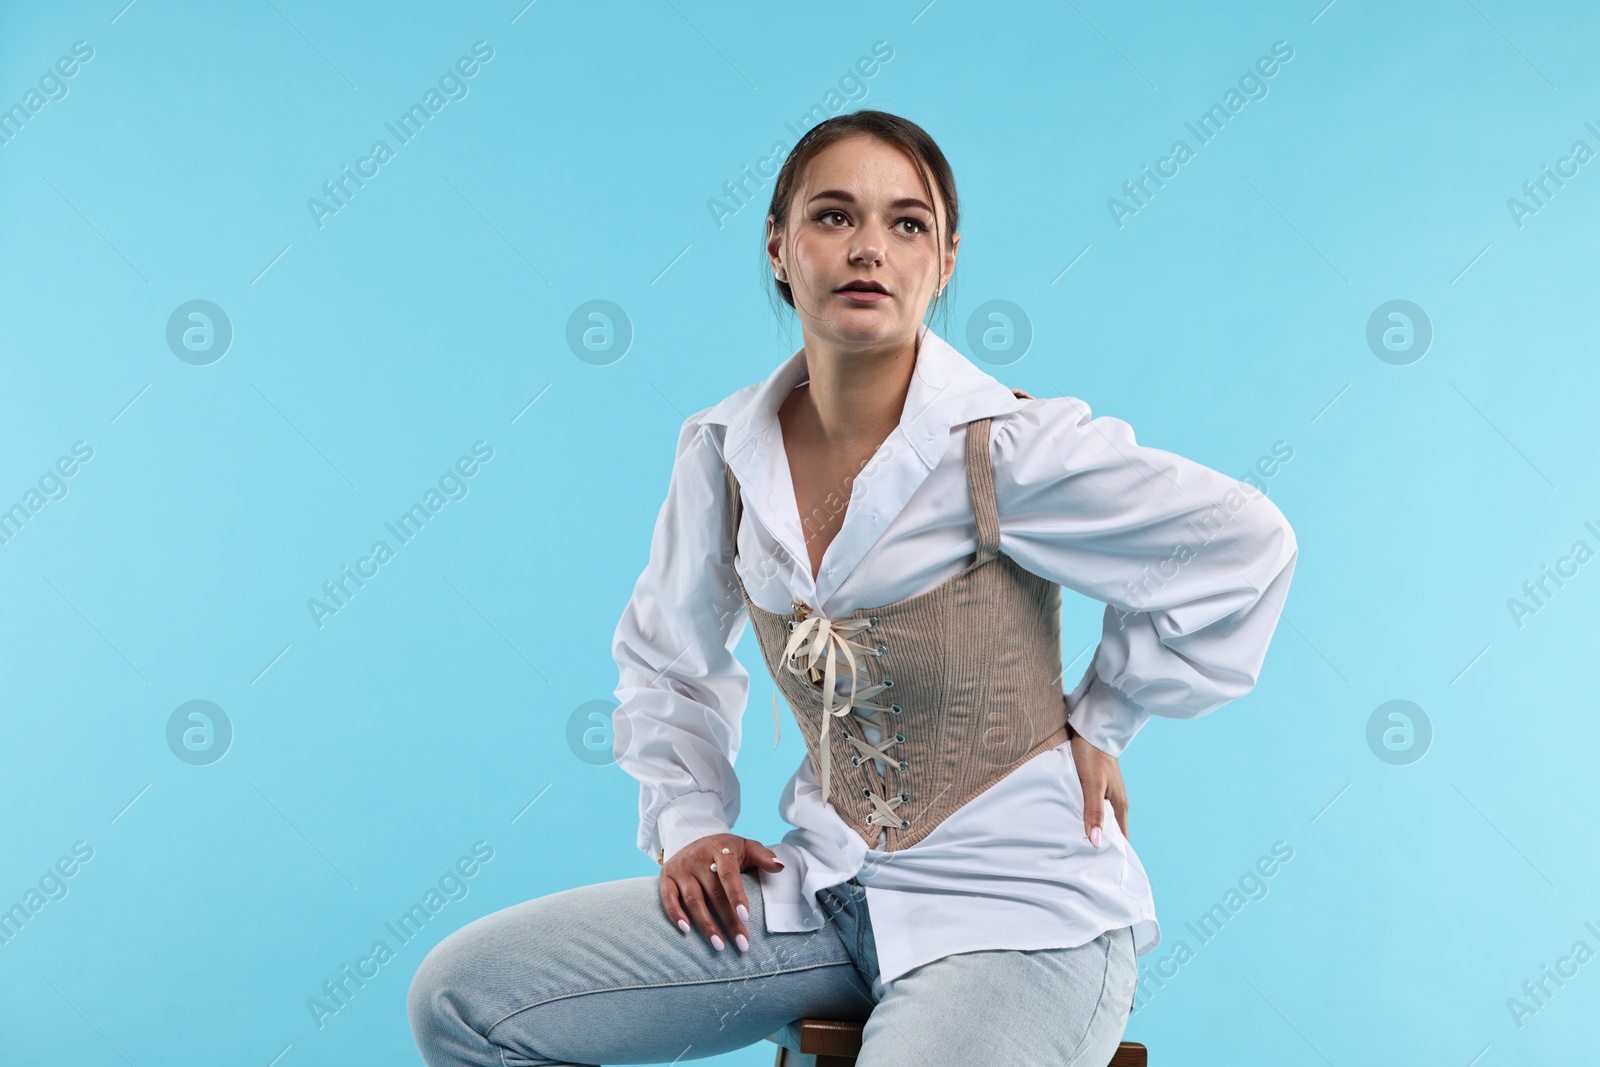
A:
(742, 941)
(683, 924)
(744, 912)
(1094, 837)
(716, 943)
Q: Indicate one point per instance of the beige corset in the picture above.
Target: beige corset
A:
(962, 683)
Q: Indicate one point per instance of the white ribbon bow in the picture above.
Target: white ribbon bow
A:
(819, 640)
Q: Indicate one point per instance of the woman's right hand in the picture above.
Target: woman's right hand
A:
(688, 883)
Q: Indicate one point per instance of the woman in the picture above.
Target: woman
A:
(896, 525)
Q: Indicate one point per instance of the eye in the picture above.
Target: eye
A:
(918, 223)
(825, 213)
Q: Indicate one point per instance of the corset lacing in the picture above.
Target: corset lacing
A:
(813, 652)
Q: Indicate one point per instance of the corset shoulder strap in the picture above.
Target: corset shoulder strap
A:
(980, 479)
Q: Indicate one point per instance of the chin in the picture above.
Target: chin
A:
(881, 330)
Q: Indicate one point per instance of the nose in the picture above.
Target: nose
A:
(867, 249)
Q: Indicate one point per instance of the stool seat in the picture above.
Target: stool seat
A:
(834, 1043)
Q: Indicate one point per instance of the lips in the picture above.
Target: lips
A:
(863, 287)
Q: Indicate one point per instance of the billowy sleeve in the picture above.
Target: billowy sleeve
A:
(1192, 565)
(680, 689)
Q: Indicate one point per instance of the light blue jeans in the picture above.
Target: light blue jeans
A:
(599, 975)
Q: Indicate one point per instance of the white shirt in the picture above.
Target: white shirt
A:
(1193, 566)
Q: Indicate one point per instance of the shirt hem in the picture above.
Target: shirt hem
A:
(1146, 936)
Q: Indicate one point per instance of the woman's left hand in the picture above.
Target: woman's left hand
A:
(1102, 779)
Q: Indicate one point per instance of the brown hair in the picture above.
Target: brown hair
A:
(890, 129)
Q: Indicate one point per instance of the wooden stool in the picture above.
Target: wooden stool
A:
(826, 1043)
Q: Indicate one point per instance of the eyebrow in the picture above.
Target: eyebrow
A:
(840, 194)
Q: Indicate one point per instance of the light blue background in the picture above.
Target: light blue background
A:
(1228, 314)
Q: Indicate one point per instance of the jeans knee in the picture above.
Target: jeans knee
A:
(434, 999)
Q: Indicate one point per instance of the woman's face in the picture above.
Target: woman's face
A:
(861, 214)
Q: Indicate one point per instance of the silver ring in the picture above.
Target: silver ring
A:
(727, 852)
(713, 866)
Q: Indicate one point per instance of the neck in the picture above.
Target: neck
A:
(856, 394)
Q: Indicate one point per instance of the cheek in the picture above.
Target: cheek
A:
(921, 266)
(811, 250)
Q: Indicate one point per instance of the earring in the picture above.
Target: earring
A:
(783, 277)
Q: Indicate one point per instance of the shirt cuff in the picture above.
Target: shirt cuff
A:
(689, 817)
(1106, 719)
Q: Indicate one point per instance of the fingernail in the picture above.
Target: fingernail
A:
(744, 913)
(742, 941)
(1094, 837)
(716, 943)
(683, 924)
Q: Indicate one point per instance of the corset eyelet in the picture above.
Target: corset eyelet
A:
(866, 792)
(904, 766)
(905, 796)
(872, 623)
(905, 824)
(791, 626)
(855, 761)
(869, 818)
(895, 709)
(882, 651)
(888, 683)
(900, 737)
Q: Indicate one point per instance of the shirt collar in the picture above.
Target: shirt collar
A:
(946, 389)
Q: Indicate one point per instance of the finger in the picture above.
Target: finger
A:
(731, 876)
(693, 895)
(1119, 805)
(670, 902)
(764, 856)
(1094, 793)
(717, 895)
